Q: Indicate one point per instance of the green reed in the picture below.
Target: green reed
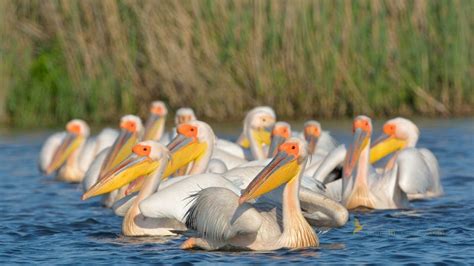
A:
(101, 59)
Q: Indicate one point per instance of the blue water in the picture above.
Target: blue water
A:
(44, 221)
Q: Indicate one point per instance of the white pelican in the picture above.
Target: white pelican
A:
(131, 131)
(149, 159)
(155, 125)
(255, 137)
(191, 149)
(202, 153)
(152, 215)
(225, 220)
(72, 152)
(319, 141)
(400, 138)
(361, 185)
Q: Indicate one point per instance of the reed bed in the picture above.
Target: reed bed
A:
(99, 59)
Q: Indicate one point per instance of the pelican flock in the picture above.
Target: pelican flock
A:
(270, 189)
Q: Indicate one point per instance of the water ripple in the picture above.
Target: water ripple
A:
(43, 221)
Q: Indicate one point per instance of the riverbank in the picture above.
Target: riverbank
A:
(98, 60)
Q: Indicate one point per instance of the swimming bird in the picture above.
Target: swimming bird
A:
(71, 152)
(131, 132)
(255, 138)
(149, 159)
(223, 219)
(191, 149)
(194, 143)
(155, 162)
(399, 139)
(361, 185)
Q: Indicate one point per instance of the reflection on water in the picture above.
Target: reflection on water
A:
(45, 221)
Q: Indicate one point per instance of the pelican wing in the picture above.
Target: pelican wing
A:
(333, 160)
(173, 198)
(216, 214)
(436, 186)
(230, 148)
(326, 143)
(48, 149)
(414, 174)
(322, 211)
(242, 176)
(230, 160)
(216, 166)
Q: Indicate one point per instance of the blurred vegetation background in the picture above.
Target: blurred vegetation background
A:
(98, 60)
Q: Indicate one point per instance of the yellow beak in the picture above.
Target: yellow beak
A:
(384, 146)
(154, 127)
(183, 151)
(127, 171)
(120, 150)
(280, 170)
(70, 143)
(263, 136)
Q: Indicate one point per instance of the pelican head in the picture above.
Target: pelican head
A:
(281, 132)
(146, 157)
(258, 124)
(362, 130)
(191, 144)
(131, 130)
(312, 132)
(155, 124)
(287, 165)
(398, 133)
(184, 115)
(192, 141)
(77, 132)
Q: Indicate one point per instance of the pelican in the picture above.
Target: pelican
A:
(192, 149)
(255, 136)
(155, 125)
(361, 185)
(203, 154)
(172, 199)
(225, 220)
(151, 159)
(319, 142)
(399, 138)
(71, 152)
(131, 131)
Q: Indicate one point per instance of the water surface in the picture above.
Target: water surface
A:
(45, 221)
